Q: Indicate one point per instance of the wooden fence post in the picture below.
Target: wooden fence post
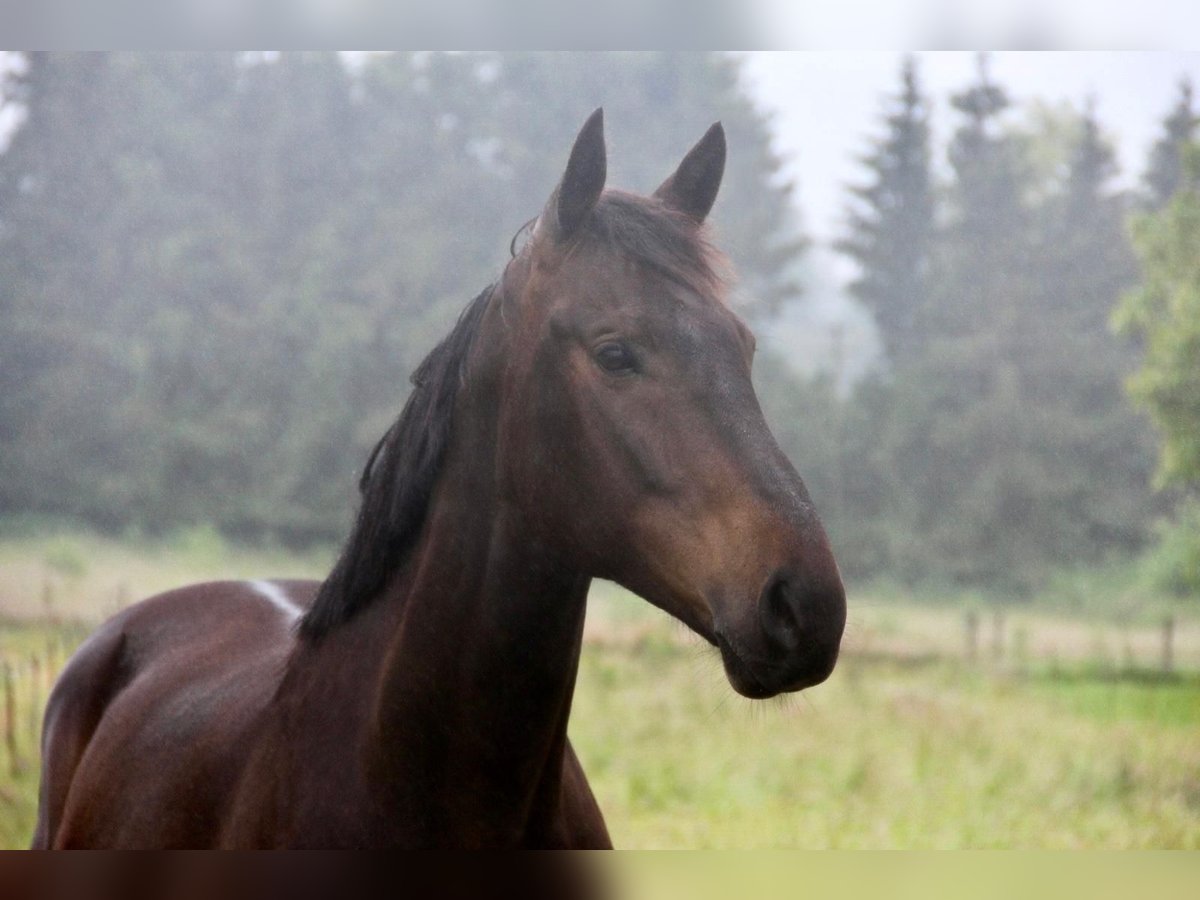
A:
(972, 623)
(51, 663)
(1168, 645)
(10, 720)
(48, 606)
(1020, 648)
(998, 635)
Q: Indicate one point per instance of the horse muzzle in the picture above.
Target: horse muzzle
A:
(790, 639)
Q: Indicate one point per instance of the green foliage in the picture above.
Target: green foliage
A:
(1165, 314)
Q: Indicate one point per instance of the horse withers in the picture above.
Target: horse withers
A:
(590, 415)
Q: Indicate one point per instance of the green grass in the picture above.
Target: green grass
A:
(1071, 737)
(1150, 699)
(57, 573)
(885, 755)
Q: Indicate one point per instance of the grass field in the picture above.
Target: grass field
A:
(1059, 730)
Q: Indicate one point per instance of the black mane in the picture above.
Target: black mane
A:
(398, 480)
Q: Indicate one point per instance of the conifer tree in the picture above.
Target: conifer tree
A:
(1164, 170)
(1093, 445)
(956, 421)
(1010, 433)
(891, 221)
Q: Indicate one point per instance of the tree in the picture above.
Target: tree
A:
(1165, 314)
(891, 221)
(1094, 442)
(891, 229)
(957, 431)
(218, 270)
(1013, 448)
(1164, 171)
(96, 184)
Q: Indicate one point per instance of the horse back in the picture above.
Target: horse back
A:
(149, 725)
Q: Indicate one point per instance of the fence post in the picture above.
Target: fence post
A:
(1020, 648)
(972, 623)
(48, 605)
(51, 663)
(1168, 645)
(998, 634)
(10, 720)
(1128, 657)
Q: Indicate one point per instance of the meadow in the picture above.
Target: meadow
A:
(1052, 725)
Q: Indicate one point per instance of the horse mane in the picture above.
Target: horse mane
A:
(398, 479)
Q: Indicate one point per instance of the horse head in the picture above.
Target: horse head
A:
(637, 448)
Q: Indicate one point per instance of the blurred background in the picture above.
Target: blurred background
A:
(976, 285)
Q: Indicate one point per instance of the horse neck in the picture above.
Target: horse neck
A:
(475, 693)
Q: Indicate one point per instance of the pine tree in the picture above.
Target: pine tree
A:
(1015, 448)
(1164, 170)
(892, 221)
(959, 438)
(1092, 444)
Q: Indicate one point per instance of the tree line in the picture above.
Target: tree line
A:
(998, 443)
(218, 270)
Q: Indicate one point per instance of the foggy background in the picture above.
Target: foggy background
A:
(217, 271)
(976, 286)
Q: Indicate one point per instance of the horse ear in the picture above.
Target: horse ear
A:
(692, 189)
(581, 183)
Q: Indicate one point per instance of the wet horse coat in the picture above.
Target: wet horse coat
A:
(590, 415)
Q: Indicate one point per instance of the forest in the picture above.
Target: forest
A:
(217, 272)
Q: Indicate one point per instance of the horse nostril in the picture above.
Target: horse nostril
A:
(779, 612)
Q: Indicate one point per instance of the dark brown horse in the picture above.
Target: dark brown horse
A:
(590, 415)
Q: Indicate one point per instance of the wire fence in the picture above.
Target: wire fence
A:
(989, 642)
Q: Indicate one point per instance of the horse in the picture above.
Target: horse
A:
(590, 415)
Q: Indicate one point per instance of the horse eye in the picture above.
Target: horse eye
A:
(613, 356)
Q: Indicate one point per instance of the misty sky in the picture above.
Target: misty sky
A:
(826, 104)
